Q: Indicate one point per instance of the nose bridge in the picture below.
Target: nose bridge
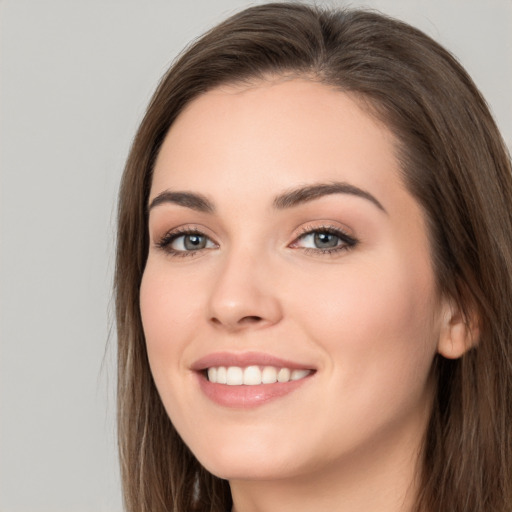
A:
(243, 294)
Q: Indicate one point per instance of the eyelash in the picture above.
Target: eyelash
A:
(347, 242)
(165, 242)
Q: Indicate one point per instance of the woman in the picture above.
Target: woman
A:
(313, 276)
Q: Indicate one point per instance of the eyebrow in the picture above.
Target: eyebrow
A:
(191, 200)
(309, 193)
(288, 199)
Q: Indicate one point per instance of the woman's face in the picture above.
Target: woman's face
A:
(284, 246)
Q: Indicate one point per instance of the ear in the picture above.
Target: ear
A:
(459, 332)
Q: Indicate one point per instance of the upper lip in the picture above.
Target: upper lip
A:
(246, 359)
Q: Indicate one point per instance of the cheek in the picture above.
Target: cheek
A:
(375, 320)
(168, 311)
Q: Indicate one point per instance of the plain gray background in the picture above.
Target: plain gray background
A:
(75, 79)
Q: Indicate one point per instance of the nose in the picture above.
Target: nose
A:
(244, 294)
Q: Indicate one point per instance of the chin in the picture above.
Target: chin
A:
(247, 470)
(237, 463)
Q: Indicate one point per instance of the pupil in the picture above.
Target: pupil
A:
(323, 240)
(193, 242)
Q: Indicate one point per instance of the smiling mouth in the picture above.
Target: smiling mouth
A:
(254, 375)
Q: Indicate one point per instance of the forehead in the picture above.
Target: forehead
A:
(280, 133)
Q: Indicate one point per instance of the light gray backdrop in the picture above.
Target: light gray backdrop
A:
(75, 78)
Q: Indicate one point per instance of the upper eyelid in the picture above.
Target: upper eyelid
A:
(342, 234)
(169, 238)
(184, 229)
(305, 229)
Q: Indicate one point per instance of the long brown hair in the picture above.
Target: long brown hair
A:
(455, 164)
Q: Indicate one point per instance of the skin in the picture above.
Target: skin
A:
(368, 318)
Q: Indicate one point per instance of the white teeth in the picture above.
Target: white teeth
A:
(253, 375)
(234, 376)
(283, 375)
(212, 374)
(299, 374)
(221, 375)
(269, 375)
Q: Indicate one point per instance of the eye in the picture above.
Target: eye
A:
(192, 242)
(184, 243)
(321, 240)
(324, 240)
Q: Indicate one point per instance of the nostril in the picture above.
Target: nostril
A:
(250, 319)
(245, 320)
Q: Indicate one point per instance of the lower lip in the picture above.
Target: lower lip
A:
(247, 396)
